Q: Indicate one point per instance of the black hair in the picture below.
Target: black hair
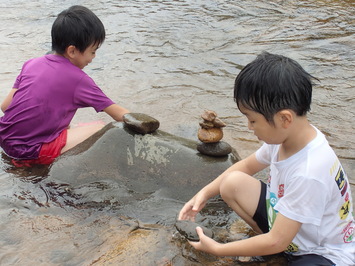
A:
(77, 26)
(272, 83)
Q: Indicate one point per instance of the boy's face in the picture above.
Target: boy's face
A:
(81, 60)
(263, 130)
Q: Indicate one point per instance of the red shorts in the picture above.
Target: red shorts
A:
(48, 153)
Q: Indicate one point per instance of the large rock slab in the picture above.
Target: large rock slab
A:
(142, 163)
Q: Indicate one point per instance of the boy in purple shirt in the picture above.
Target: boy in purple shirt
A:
(49, 90)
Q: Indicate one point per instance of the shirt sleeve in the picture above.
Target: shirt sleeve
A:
(88, 94)
(265, 153)
(19, 77)
(17, 82)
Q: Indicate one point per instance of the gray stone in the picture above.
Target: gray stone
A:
(141, 123)
(216, 149)
(144, 164)
(188, 230)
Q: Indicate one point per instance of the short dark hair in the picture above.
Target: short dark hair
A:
(272, 83)
(77, 26)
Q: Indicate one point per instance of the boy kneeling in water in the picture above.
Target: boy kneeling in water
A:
(306, 205)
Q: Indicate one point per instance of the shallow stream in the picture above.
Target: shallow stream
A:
(171, 60)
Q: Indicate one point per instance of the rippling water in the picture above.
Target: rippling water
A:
(173, 59)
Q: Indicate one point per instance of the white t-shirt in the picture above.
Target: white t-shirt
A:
(312, 188)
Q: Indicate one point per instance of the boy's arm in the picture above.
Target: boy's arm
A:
(5, 104)
(116, 111)
(249, 165)
(277, 240)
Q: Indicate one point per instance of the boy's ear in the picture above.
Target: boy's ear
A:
(286, 118)
(70, 51)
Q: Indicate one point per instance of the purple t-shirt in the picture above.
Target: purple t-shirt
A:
(49, 91)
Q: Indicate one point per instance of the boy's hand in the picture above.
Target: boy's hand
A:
(192, 207)
(205, 244)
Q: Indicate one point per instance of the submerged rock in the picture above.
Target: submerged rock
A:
(217, 149)
(188, 230)
(141, 123)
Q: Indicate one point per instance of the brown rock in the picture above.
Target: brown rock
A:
(206, 124)
(209, 115)
(210, 135)
(218, 122)
(141, 123)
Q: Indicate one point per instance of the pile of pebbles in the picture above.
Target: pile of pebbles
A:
(210, 135)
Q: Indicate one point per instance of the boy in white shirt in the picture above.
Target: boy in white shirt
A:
(305, 209)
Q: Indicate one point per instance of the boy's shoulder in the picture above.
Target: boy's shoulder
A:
(52, 61)
(35, 61)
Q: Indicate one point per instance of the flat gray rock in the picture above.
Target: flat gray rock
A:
(216, 149)
(188, 230)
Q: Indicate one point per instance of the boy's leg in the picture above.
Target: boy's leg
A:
(242, 193)
(79, 134)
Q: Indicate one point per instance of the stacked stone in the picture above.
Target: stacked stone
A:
(210, 135)
(141, 123)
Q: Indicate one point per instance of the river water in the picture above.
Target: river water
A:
(172, 60)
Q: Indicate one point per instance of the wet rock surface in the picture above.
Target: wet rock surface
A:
(217, 149)
(141, 123)
(188, 230)
(141, 163)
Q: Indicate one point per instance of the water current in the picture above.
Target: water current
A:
(171, 60)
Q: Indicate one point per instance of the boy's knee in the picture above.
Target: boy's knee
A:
(229, 184)
(234, 182)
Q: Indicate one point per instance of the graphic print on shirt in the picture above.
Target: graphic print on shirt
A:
(281, 191)
(292, 248)
(341, 181)
(271, 212)
(345, 209)
(348, 233)
(270, 204)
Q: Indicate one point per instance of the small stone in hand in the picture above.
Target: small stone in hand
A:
(188, 230)
(141, 123)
